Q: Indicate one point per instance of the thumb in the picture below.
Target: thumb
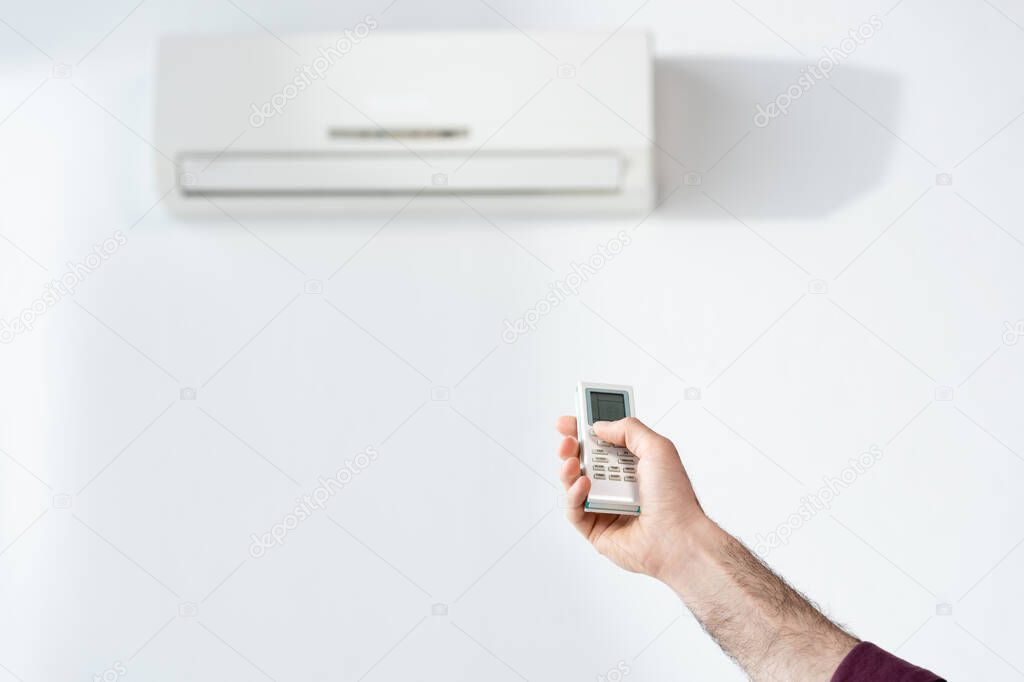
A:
(631, 432)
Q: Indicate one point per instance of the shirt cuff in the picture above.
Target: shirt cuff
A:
(868, 663)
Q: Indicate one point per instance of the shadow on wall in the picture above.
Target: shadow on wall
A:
(717, 134)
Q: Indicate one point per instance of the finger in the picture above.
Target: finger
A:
(631, 432)
(569, 447)
(574, 498)
(566, 425)
(569, 472)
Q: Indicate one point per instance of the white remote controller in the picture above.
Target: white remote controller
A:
(610, 468)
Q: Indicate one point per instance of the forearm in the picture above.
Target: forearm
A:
(772, 631)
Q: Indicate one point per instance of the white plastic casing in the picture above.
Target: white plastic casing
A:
(612, 469)
(448, 118)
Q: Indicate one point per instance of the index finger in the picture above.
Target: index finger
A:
(566, 425)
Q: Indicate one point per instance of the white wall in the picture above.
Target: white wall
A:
(460, 506)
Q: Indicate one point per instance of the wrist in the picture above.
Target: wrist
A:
(691, 568)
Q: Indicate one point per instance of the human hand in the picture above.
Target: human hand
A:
(648, 543)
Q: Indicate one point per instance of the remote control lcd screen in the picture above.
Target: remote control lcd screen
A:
(607, 407)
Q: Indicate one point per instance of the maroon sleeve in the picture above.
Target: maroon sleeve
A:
(867, 663)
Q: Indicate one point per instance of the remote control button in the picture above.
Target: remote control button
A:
(599, 477)
(613, 468)
(605, 443)
(598, 467)
(627, 470)
(614, 477)
(631, 479)
(597, 450)
(598, 458)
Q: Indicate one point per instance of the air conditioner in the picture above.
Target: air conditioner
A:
(368, 121)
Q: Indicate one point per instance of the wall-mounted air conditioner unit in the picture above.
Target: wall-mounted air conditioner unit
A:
(371, 121)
